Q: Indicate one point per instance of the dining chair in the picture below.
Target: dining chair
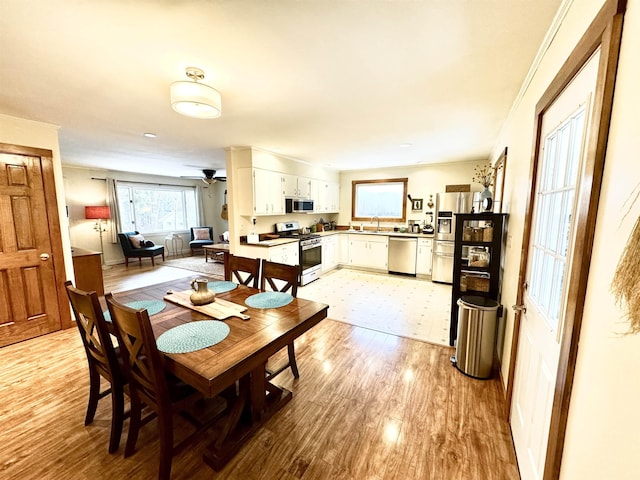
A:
(151, 386)
(103, 359)
(279, 277)
(244, 270)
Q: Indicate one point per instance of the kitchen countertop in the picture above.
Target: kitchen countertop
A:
(271, 243)
(282, 241)
(384, 232)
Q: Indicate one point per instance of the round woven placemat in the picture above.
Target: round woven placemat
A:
(269, 300)
(222, 286)
(152, 306)
(192, 336)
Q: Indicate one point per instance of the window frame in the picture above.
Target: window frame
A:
(354, 190)
(132, 186)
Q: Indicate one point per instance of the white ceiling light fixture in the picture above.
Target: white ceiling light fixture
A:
(195, 99)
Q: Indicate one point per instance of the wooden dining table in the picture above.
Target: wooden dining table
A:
(238, 363)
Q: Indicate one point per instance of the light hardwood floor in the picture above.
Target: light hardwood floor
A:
(368, 405)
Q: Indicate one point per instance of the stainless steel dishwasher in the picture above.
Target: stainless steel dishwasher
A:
(402, 255)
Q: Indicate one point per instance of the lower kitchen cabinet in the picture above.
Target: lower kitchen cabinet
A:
(288, 254)
(343, 249)
(329, 253)
(368, 251)
(424, 258)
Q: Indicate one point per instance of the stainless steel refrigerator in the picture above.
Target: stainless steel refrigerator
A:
(447, 205)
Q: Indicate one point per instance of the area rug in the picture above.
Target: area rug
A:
(197, 264)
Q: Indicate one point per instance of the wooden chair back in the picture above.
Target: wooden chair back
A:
(102, 357)
(143, 364)
(245, 271)
(93, 331)
(280, 277)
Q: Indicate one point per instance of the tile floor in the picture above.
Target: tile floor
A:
(399, 305)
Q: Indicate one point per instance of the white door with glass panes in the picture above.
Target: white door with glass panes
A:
(564, 130)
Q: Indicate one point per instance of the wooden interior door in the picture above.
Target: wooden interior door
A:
(31, 263)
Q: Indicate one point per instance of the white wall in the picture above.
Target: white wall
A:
(424, 180)
(81, 191)
(18, 131)
(603, 431)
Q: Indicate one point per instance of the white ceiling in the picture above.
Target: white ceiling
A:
(332, 82)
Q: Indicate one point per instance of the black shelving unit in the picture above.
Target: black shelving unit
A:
(478, 236)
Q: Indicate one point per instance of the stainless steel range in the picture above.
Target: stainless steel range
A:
(310, 250)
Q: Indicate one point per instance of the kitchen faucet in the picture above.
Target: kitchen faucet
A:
(378, 228)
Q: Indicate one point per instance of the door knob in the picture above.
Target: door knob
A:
(44, 257)
(519, 308)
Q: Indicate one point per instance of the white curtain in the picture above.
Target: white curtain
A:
(112, 201)
(200, 204)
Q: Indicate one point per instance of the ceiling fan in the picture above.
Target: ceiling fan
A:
(209, 177)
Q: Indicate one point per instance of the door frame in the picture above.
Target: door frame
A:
(53, 219)
(605, 32)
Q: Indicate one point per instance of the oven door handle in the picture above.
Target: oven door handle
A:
(308, 247)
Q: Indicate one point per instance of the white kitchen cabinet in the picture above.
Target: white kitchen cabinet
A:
(343, 249)
(288, 254)
(424, 259)
(289, 185)
(265, 196)
(333, 196)
(329, 253)
(327, 196)
(304, 187)
(368, 251)
(268, 197)
(296, 187)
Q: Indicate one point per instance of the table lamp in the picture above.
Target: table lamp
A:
(100, 214)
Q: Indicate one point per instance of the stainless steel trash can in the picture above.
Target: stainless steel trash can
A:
(476, 336)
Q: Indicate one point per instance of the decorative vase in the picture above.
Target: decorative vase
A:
(201, 295)
(486, 199)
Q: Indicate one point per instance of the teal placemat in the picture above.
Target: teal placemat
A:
(152, 306)
(221, 286)
(192, 336)
(269, 300)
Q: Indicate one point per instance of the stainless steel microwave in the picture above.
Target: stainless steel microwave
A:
(298, 205)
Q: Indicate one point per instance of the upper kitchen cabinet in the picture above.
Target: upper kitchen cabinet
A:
(266, 194)
(326, 196)
(296, 187)
(259, 182)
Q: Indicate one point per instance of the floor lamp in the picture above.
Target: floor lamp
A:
(100, 214)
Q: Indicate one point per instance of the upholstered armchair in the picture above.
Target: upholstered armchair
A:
(200, 236)
(132, 244)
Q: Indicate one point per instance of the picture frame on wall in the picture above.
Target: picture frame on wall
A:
(499, 169)
(416, 204)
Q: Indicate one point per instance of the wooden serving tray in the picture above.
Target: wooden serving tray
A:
(219, 309)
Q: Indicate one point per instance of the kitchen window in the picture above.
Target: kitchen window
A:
(385, 199)
(156, 208)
